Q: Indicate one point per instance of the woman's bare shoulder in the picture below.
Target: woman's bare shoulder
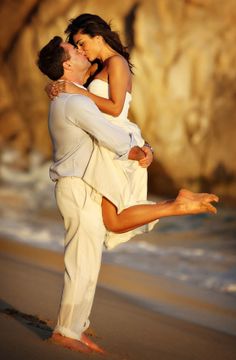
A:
(117, 60)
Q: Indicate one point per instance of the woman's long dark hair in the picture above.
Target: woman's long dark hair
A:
(93, 25)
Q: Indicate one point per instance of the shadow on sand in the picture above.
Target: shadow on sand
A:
(41, 327)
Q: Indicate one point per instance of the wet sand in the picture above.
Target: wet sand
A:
(31, 281)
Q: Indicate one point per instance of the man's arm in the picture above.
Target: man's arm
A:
(82, 112)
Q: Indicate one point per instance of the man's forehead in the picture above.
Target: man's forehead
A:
(66, 45)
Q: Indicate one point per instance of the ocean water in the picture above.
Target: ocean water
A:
(198, 250)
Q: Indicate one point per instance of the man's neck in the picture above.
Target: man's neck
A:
(79, 78)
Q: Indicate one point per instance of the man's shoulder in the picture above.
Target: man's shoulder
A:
(81, 105)
(78, 100)
(76, 108)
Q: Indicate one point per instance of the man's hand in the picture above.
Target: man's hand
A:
(147, 160)
(136, 153)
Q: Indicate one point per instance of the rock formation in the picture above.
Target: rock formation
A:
(183, 92)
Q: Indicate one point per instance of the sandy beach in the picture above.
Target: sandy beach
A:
(31, 281)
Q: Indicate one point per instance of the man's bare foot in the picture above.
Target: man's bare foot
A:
(69, 343)
(196, 203)
(88, 342)
(91, 332)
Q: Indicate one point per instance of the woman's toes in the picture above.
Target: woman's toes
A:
(215, 198)
(211, 208)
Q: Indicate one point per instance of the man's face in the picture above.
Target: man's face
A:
(78, 60)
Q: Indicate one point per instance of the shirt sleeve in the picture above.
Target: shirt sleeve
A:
(83, 112)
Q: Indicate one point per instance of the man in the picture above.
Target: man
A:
(74, 121)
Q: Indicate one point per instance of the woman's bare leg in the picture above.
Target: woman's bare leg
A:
(186, 203)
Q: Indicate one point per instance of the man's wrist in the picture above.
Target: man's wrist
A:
(149, 146)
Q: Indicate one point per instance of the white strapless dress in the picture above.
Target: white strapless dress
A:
(123, 182)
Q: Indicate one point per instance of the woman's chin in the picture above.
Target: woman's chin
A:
(90, 57)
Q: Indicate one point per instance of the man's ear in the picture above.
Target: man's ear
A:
(66, 65)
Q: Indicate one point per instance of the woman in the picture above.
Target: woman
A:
(123, 183)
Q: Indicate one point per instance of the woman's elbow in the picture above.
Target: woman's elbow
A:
(116, 111)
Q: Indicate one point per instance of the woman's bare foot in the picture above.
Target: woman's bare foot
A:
(195, 203)
(69, 343)
(88, 342)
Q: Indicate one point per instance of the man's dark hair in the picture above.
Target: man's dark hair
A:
(51, 58)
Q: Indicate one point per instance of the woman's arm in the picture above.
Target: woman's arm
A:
(118, 77)
(53, 89)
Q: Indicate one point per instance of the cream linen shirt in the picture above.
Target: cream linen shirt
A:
(74, 122)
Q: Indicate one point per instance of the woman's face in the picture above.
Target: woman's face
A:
(91, 45)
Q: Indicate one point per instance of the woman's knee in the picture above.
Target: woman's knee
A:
(110, 216)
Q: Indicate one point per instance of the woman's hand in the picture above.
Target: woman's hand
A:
(54, 88)
(147, 160)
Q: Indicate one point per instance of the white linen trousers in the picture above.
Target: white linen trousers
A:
(84, 237)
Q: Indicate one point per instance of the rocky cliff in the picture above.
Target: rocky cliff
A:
(183, 92)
